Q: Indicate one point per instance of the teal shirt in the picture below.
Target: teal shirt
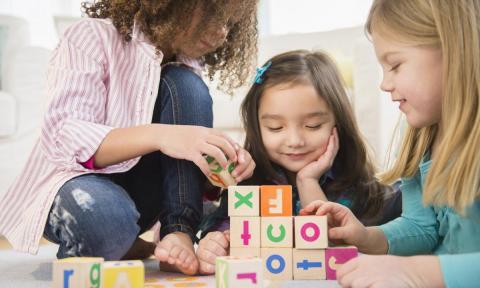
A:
(437, 230)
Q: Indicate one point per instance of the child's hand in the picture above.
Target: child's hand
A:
(391, 271)
(192, 142)
(317, 168)
(245, 165)
(211, 246)
(343, 225)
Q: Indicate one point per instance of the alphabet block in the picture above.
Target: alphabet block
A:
(336, 257)
(77, 272)
(276, 200)
(308, 264)
(243, 200)
(232, 271)
(245, 232)
(220, 177)
(276, 232)
(123, 274)
(311, 232)
(277, 263)
(252, 252)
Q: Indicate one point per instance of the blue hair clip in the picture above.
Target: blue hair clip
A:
(261, 71)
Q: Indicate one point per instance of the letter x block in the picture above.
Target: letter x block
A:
(77, 272)
(123, 274)
(220, 177)
(232, 271)
(276, 200)
(243, 200)
(245, 232)
(277, 263)
(336, 257)
(311, 232)
(277, 232)
(308, 264)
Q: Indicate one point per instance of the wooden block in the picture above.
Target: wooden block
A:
(308, 264)
(243, 201)
(252, 252)
(276, 232)
(123, 274)
(336, 257)
(77, 272)
(232, 271)
(311, 232)
(220, 177)
(276, 200)
(245, 232)
(277, 263)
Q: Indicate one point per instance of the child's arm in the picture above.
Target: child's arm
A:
(460, 270)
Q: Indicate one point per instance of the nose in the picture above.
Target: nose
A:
(295, 139)
(386, 84)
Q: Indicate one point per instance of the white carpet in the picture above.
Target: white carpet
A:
(19, 270)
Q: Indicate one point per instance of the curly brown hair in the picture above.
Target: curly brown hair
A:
(160, 20)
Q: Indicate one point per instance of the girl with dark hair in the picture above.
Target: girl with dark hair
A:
(122, 140)
(301, 130)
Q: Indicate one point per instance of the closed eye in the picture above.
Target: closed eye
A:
(314, 126)
(274, 129)
(395, 67)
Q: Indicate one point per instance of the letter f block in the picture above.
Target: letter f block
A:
(276, 200)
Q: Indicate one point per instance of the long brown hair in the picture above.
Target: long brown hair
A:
(352, 167)
(160, 20)
(454, 27)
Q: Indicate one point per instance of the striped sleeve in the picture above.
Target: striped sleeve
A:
(74, 125)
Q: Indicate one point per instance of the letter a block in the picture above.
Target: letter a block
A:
(311, 232)
(277, 263)
(277, 232)
(336, 257)
(232, 271)
(243, 200)
(245, 232)
(308, 264)
(220, 177)
(123, 274)
(77, 272)
(276, 200)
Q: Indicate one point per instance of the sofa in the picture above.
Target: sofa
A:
(22, 83)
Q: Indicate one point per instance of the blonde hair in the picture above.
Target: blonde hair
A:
(454, 27)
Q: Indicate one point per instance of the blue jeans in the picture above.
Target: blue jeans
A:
(102, 215)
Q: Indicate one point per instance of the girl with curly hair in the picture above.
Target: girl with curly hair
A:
(127, 128)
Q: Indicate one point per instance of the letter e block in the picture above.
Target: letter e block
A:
(276, 200)
(308, 264)
(232, 271)
(336, 257)
(311, 232)
(123, 274)
(243, 201)
(77, 272)
(277, 232)
(245, 232)
(277, 263)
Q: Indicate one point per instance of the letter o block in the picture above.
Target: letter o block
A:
(311, 232)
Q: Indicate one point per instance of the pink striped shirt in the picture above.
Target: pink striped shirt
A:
(96, 82)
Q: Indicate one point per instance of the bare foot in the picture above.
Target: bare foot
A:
(140, 249)
(176, 253)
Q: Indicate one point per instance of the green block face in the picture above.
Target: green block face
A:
(221, 273)
(95, 276)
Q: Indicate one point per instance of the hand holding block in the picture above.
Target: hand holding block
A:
(245, 232)
(123, 274)
(311, 232)
(243, 201)
(231, 271)
(276, 200)
(277, 263)
(220, 177)
(308, 264)
(77, 272)
(276, 232)
(336, 257)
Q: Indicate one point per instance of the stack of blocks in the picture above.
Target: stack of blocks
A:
(94, 272)
(261, 225)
